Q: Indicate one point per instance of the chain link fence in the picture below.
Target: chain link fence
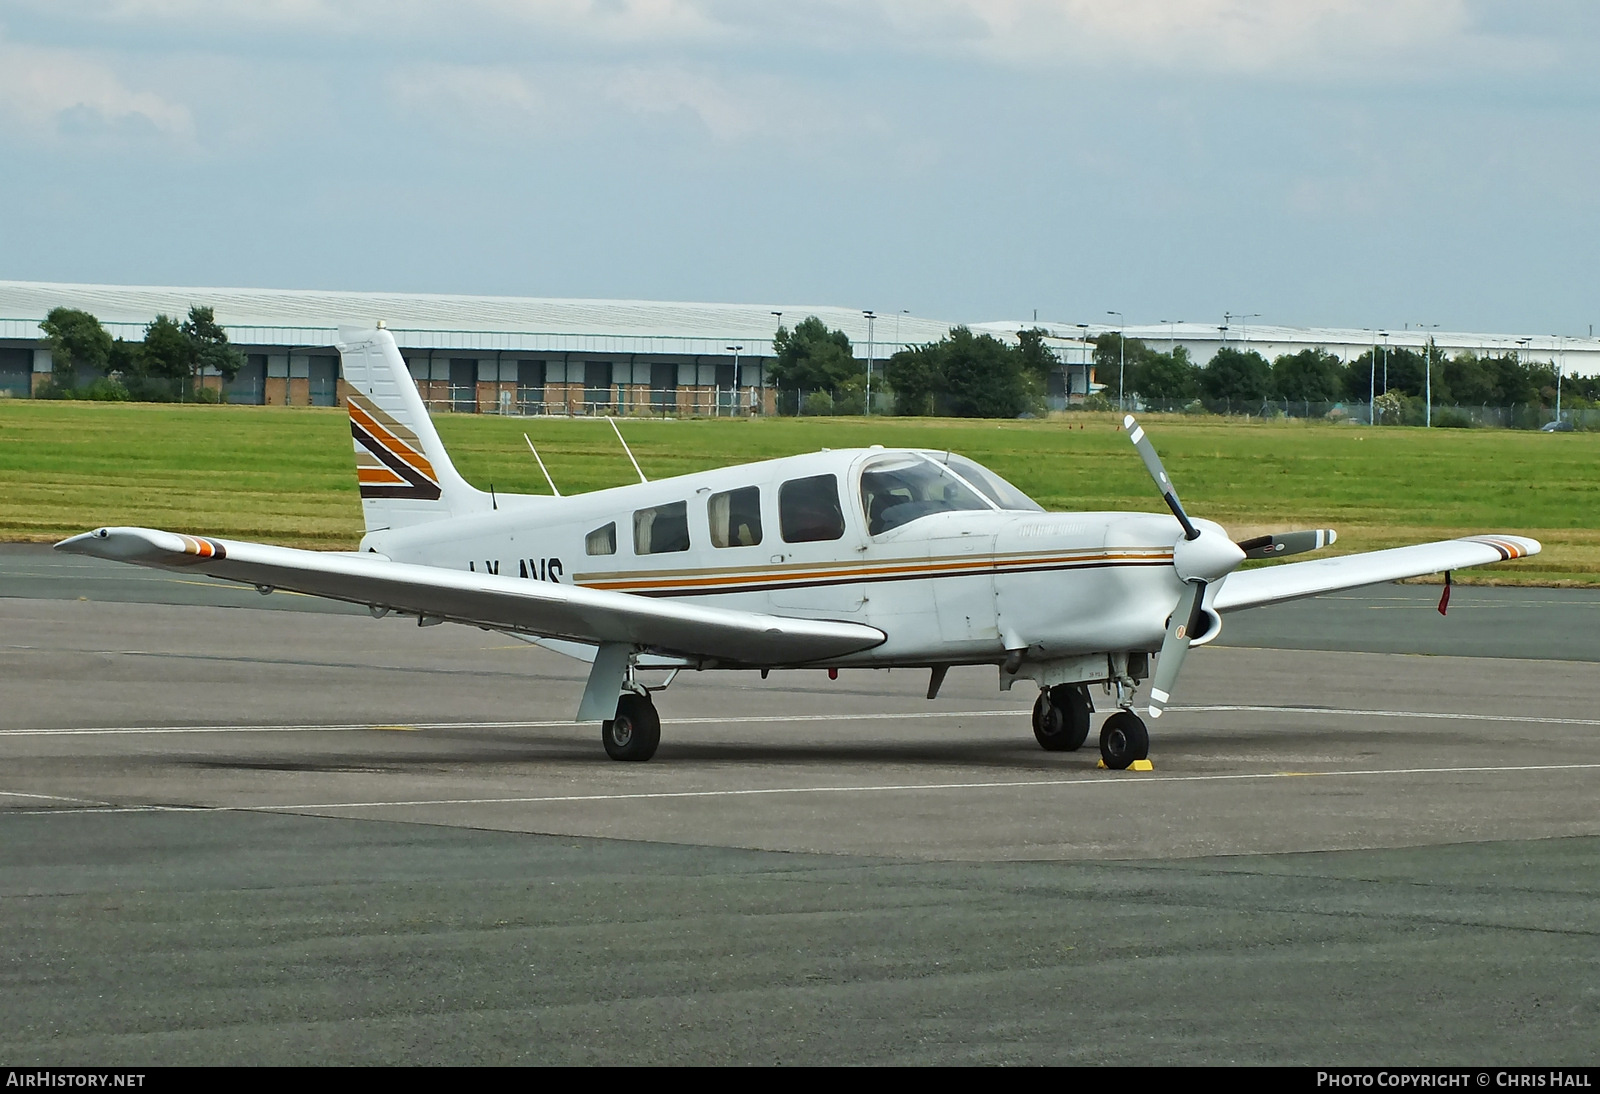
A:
(1393, 409)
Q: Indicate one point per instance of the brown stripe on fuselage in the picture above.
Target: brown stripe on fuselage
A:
(688, 583)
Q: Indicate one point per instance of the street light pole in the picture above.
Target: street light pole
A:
(1385, 336)
(870, 348)
(1561, 366)
(1372, 382)
(1122, 358)
(736, 350)
(1427, 374)
(1171, 336)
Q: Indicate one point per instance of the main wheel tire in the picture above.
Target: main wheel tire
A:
(1061, 718)
(634, 732)
(1123, 739)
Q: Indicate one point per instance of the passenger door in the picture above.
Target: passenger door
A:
(816, 557)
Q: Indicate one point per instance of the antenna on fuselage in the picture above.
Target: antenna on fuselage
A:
(626, 449)
(542, 467)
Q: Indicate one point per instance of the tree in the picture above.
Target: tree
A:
(1467, 380)
(77, 341)
(211, 348)
(1171, 377)
(168, 353)
(1116, 359)
(1037, 360)
(813, 357)
(983, 376)
(1313, 375)
(916, 376)
(1236, 375)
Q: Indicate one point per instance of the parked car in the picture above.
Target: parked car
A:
(1556, 427)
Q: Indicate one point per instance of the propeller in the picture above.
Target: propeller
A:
(1280, 544)
(1200, 558)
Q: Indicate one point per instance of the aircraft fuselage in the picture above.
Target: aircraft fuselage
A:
(948, 587)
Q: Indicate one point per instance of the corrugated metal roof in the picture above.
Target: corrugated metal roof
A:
(1242, 332)
(255, 316)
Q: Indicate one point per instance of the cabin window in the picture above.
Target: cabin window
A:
(809, 510)
(735, 517)
(661, 530)
(601, 541)
(897, 490)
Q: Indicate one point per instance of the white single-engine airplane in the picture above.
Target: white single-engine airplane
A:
(860, 558)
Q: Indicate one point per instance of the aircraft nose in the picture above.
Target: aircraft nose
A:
(1208, 557)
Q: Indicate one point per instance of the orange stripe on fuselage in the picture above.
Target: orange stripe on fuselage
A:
(901, 569)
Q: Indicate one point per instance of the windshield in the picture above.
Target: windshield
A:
(996, 489)
(897, 490)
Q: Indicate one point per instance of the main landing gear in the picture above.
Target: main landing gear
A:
(1061, 724)
(634, 731)
(1061, 717)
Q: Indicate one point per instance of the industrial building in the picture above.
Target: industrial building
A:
(1579, 355)
(488, 354)
(523, 355)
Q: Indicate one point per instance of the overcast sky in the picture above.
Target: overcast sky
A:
(1339, 162)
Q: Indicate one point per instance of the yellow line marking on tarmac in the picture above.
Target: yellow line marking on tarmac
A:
(914, 787)
(1225, 708)
(772, 791)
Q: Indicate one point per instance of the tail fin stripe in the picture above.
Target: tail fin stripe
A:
(419, 486)
(389, 439)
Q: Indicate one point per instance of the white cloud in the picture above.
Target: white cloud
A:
(491, 100)
(1319, 38)
(1246, 36)
(54, 91)
(656, 22)
(488, 99)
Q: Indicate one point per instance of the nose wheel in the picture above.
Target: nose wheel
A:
(634, 731)
(1124, 739)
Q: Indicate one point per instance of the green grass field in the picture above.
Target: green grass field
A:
(286, 475)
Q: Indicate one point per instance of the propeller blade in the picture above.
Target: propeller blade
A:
(1175, 646)
(1280, 544)
(1152, 464)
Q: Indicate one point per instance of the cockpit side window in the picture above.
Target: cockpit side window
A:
(735, 517)
(809, 510)
(897, 490)
(661, 530)
(601, 541)
(992, 486)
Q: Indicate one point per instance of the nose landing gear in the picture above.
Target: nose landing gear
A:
(1123, 740)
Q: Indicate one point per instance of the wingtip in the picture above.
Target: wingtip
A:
(80, 544)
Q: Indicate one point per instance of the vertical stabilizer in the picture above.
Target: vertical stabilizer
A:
(405, 475)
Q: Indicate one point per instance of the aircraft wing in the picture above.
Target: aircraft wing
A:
(1275, 584)
(540, 608)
